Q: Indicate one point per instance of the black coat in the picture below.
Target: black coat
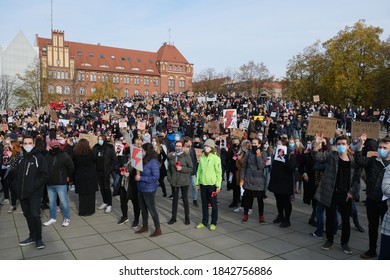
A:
(282, 176)
(85, 175)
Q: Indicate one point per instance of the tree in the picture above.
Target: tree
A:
(250, 74)
(34, 88)
(354, 55)
(7, 87)
(106, 90)
(208, 81)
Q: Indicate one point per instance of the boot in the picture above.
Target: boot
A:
(142, 230)
(156, 232)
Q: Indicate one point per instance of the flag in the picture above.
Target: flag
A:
(136, 157)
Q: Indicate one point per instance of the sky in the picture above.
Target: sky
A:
(219, 34)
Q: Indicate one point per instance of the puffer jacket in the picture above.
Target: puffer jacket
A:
(32, 174)
(149, 177)
(60, 166)
(252, 172)
(325, 190)
(179, 178)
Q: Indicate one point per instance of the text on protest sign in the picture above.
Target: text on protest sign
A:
(368, 128)
(213, 127)
(321, 125)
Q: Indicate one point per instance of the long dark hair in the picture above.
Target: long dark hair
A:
(82, 148)
(150, 153)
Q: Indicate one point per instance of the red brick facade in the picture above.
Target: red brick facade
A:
(75, 70)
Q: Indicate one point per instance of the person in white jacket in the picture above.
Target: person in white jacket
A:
(384, 153)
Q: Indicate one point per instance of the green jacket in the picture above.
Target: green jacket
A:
(209, 171)
(179, 178)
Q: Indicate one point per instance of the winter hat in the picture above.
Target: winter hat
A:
(210, 143)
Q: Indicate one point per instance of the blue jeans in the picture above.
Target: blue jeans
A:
(193, 186)
(384, 253)
(62, 192)
(205, 193)
(115, 184)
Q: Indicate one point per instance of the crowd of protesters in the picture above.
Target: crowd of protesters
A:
(274, 153)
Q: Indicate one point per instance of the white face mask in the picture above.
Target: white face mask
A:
(207, 149)
(62, 142)
(28, 148)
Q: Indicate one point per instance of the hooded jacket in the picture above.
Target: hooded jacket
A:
(60, 166)
(32, 175)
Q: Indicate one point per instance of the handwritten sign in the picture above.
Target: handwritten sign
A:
(316, 98)
(245, 124)
(106, 117)
(368, 128)
(321, 125)
(141, 125)
(213, 127)
(91, 138)
(198, 153)
(53, 115)
(235, 133)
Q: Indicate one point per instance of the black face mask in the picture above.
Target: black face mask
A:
(254, 149)
(196, 144)
(235, 146)
(217, 142)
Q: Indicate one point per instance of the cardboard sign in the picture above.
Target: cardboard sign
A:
(213, 127)
(141, 125)
(322, 125)
(106, 117)
(245, 124)
(149, 107)
(368, 128)
(316, 98)
(230, 118)
(91, 138)
(122, 124)
(3, 112)
(235, 133)
(53, 115)
(198, 153)
(376, 113)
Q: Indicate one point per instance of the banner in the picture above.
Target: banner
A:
(322, 125)
(91, 138)
(370, 129)
(230, 118)
(136, 157)
(213, 127)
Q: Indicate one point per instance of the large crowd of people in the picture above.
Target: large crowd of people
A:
(185, 139)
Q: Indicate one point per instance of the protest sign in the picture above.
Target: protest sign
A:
(211, 99)
(166, 99)
(106, 117)
(141, 125)
(245, 124)
(53, 115)
(198, 153)
(149, 107)
(91, 138)
(322, 126)
(63, 122)
(119, 147)
(273, 114)
(201, 99)
(236, 133)
(316, 98)
(376, 113)
(260, 118)
(368, 128)
(122, 124)
(213, 127)
(136, 157)
(230, 118)
(4, 127)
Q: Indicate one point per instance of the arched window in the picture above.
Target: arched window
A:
(136, 92)
(59, 89)
(51, 89)
(67, 90)
(126, 92)
(82, 91)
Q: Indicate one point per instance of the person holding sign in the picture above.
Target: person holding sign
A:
(209, 180)
(337, 188)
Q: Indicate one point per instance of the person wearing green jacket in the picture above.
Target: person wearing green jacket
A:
(179, 170)
(209, 180)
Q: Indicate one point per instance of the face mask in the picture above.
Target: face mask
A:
(297, 144)
(217, 143)
(177, 138)
(7, 142)
(28, 148)
(196, 144)
(154, 143)
(62, 142)
(143, 154)
(207, 149)
(179, 151)
(254, 149)
(266, 146)
(204, 138)
(341, 149)
(100, 142)
(291, 145)
(235, 146)
(308, 146)
(260, 137)
(383, 153)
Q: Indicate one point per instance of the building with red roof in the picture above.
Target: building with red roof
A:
(75, 70)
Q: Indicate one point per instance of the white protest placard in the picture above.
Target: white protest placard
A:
(63, 122)
(201, 99)
(166, 99)
(136, 157)
(230, 118)
(273, 114)
(245, 124)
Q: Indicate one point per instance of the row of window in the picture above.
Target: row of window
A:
(90, 54)
(81, 91)
(59, 75)
(175, 68)
(116, 79)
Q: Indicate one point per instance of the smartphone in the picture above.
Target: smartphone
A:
(122, 169)
(213, 194)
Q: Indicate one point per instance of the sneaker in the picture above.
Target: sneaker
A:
(108, 209)
(39, 245)
(250, 212)
(72, 188)
(6, 201)
(200, 225)
(11, 209)
(66, 223)
(124, 220)
(261, 220)
(239, 209)
(171, 196)
(209, 205)
(244, 219)
(58, 209)
(368, 255)
(50, 222)
(277, 220)
(134, 225)
(195, 202)
(103, 206)
(314, 235)
(213, 227)
(359, 228)
(26, 242)
(327, 245)
(346, 249)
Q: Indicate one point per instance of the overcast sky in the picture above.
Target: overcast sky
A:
(216, 34)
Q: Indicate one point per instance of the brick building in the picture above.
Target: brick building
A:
(75, 70)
